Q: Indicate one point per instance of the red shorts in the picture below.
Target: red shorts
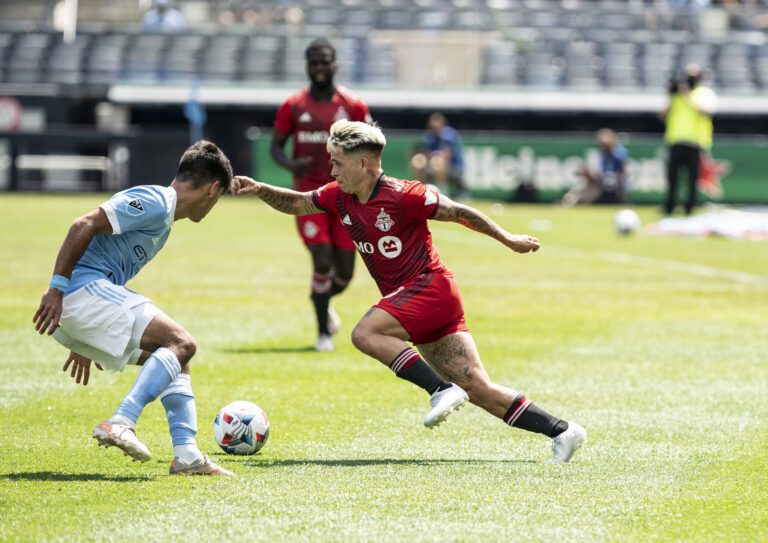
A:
(324, 228)
(429, 307)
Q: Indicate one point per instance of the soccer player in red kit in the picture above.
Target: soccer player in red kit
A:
(387, 220)
(307, 117)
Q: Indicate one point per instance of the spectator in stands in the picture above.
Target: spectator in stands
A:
(163, 17)
(688, 133)
(606, 182)
(441, 159)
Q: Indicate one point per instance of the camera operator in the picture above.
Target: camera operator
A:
(688, 133)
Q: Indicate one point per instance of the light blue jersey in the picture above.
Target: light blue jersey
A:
(141, 219)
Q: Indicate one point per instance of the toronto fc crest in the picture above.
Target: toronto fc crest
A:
(383, 221)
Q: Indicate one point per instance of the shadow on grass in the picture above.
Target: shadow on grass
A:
(357, 462)
(72, 477)
(255, 349)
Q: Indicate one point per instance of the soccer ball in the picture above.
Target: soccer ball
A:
(626, 222)
(241, 428)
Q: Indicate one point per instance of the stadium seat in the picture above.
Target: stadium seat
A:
(66, 61)
(144, 57)
(222, 58)
(501, 64)
(396, 19)
(104, 60)
(471, 20)
(28, 59)
(262, 58)
(620, 60)
(379, 66)
(6, 44)
(183, 57)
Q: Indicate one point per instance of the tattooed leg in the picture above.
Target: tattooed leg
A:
(456, 359)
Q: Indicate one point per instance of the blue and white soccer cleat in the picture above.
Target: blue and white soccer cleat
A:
(124, 438)
(564, 445)
(445, 402)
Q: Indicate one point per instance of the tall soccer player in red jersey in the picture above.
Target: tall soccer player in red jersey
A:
(307, 116)
(387, 219)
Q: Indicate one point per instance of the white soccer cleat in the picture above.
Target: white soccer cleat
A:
(124, 438)
(200, 466)
(444, 402)
(324, 344)
(334, 321)
(564, 445)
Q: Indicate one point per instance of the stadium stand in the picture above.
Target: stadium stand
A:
(553, 44)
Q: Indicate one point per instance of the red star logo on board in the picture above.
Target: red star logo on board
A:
(710, 173)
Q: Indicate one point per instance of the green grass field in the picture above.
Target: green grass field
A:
(657, 346)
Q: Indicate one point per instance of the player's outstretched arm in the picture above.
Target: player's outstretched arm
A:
(78, 238)
(448, 210)
(285, 200)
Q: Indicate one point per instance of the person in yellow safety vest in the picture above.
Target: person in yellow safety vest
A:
(688, 133)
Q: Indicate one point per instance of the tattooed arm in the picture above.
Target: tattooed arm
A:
(285, 200)
(448, 210)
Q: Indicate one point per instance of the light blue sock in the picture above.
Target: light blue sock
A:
(179, 402)
(158, 372)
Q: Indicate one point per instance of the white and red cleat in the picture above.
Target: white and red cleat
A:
(124, 438)
(201, 466)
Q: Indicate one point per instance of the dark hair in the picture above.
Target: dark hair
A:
(318, 45)
(203, 163)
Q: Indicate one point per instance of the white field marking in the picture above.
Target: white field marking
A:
(663, 264)
(701, 270)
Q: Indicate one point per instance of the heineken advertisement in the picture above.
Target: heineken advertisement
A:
(497, 164)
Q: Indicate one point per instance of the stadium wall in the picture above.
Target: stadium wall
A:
(498, 163)
(500, 143)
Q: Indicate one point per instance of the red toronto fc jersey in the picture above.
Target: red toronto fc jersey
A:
(309, 122)
(390, 230)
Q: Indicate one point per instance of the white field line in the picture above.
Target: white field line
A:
(469, 238)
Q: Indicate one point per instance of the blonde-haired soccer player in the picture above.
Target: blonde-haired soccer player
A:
(387, 220)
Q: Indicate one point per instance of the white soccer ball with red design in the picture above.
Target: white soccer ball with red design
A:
(241, 428)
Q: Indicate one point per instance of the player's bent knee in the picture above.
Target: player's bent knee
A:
(340, 285)
(184, 346)
(361, 338)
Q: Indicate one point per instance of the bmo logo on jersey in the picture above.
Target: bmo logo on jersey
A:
(390, 246)
(306, 136)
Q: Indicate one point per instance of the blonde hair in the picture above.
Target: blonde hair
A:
(353, 136)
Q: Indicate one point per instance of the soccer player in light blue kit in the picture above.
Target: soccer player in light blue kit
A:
(88, 309)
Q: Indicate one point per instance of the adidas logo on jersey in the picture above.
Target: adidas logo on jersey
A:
(346, 220)
(305, 117)
(341, 114)
(134, 207)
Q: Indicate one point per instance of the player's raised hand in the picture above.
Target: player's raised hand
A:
(49, 312)
(523, 243)
(242, 185)
(81, 367)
